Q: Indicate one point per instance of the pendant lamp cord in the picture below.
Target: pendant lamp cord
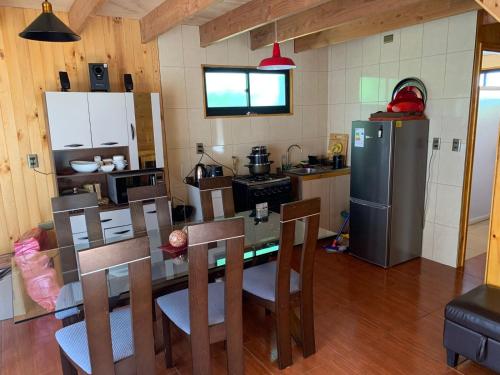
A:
(276, 31)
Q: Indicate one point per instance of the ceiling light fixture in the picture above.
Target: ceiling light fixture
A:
(276, 62)
(48, 28)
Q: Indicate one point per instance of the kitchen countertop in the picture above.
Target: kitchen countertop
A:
(321, 173)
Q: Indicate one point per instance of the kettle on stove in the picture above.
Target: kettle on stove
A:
(199, 172)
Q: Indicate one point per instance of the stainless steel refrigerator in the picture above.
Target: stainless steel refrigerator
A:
(388, 182)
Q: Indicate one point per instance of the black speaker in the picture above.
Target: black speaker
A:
(128, 83)
(99, 79)
(64, 79)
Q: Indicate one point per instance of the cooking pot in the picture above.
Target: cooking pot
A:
(259, 158)
(259, 150)
(259, 169)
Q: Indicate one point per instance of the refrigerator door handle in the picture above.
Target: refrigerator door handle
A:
(369, 204)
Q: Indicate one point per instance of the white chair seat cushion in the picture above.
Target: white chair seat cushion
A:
(73, 339)
(176, 306)
(70, 295)
(261, 281)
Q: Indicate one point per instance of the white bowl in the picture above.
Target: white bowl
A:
(84, 166)
(107, 167)
(118, 157)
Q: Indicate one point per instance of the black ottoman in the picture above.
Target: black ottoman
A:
(472, 327)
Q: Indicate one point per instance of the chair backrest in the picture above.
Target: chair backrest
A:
(209, 184)
(61, 209)
(93, 265)
(136, 198)
(309, 211)
(199, 236)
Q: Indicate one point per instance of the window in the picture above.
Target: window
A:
(245, 91)
(489, 78)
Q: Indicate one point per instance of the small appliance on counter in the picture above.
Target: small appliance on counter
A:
(200, 172)
(119, 182)
(214, 170)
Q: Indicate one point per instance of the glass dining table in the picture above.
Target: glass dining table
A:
(41, 287)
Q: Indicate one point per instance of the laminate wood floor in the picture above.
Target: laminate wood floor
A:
(368, 321)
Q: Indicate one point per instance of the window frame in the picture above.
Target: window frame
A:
(249, 110)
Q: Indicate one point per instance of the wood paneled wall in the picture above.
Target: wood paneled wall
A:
(29, 68)
(493, 259)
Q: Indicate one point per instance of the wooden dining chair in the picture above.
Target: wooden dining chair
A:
(61, 209)
(210, 184)
(120, 342)
(209, 312)
(280, 289)
(139, 195)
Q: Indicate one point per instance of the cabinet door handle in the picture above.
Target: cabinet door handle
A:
(109, 143)
(106, 220)
(132, 130)
(74, 145)
(151, 212)
(83, 238)
(122, 232)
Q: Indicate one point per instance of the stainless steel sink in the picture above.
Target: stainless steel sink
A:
(305, 171)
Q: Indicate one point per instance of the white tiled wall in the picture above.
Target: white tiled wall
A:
(181, 76)
(362, 74)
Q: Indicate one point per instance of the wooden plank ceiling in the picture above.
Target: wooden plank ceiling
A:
(310, 23)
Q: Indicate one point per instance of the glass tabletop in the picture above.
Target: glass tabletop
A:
(43, 283)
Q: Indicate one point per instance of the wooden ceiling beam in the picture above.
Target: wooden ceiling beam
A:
(331, 14)
(81, 11)
(169, 14)
(250, 15)
(491, 6)
(383, 21)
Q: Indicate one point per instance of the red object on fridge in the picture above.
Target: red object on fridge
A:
(409, 95)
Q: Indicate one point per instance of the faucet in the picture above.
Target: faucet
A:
(288, 160)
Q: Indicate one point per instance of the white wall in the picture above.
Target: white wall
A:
(362, 76)
(181, 76)
(484, 154)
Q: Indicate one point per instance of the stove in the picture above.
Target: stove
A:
(271, 188)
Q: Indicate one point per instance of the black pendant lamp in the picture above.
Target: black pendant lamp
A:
(48, 28)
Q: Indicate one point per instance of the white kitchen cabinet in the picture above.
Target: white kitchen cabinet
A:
(69, 121)
(108, 119)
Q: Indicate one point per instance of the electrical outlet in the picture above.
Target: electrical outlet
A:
(436, 143)
(455, 146)
(32, 161)
(199, 148)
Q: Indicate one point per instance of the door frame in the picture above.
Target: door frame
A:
(487, 39)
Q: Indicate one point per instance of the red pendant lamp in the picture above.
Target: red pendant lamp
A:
(276, 62)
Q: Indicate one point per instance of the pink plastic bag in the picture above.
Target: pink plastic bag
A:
(40, 278)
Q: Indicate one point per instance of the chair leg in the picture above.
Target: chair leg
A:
(166, 341)
(283, 337)
(307, 328)
(66, 366)
(451, 358)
